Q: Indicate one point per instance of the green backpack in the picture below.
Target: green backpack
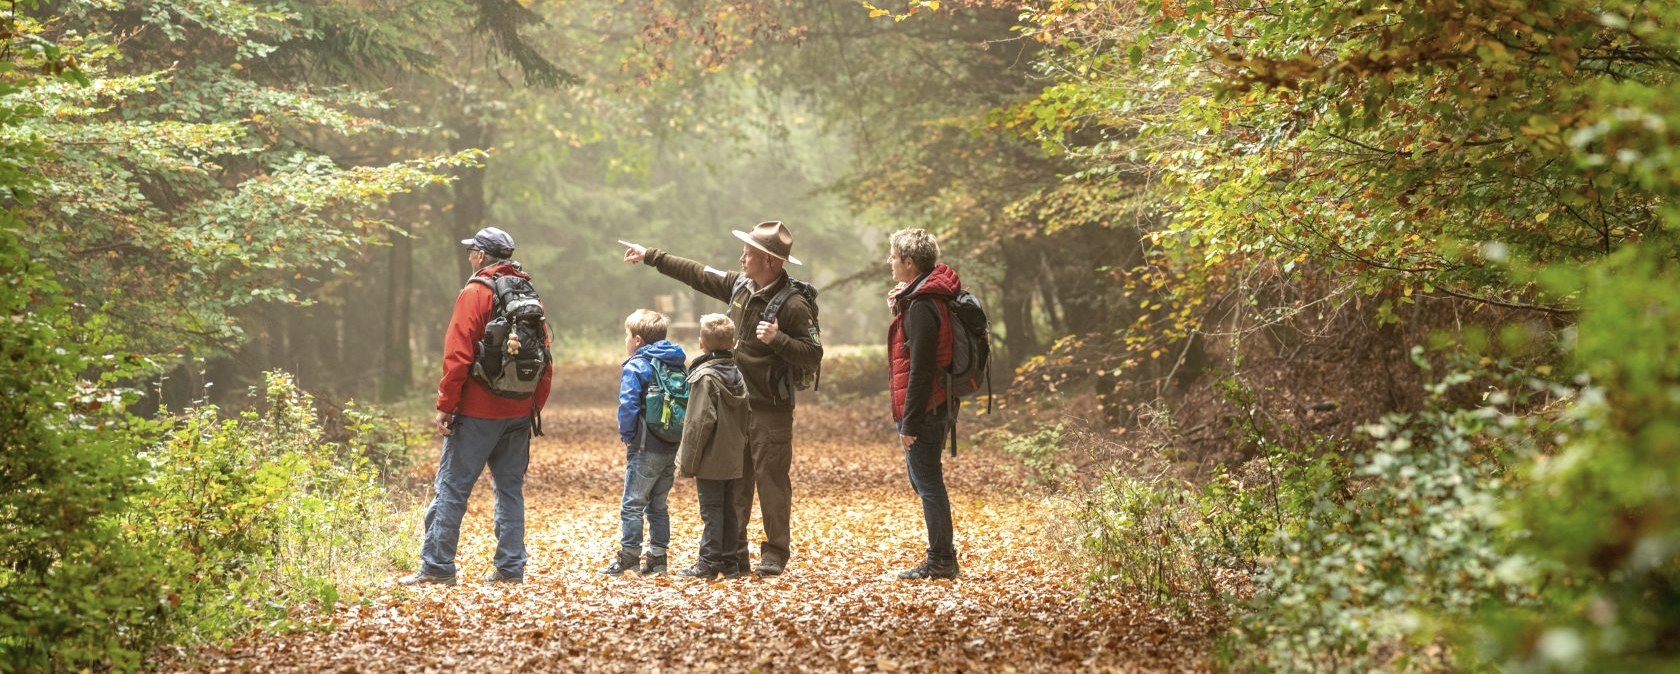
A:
(665, 402)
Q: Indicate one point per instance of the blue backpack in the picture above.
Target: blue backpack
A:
(665, 402)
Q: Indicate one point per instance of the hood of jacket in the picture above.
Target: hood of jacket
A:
(665, 351)
(721, 364)
(942, 280)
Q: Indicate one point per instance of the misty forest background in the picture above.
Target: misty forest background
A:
(1355, 323)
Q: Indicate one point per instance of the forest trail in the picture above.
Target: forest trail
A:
(856, 522)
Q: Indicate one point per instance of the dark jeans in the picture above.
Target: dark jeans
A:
(717, 513)
(647, 481)
(505, 446)
(769, 459)
(927, 474)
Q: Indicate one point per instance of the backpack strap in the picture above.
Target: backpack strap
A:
(495, 295)
(777, 300)
(742, 285)
(952, 404)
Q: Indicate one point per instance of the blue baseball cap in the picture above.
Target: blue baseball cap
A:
(491, 240)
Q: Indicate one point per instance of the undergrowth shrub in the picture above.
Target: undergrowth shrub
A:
(121, 535)
(1359, 556)
(75, 589)
(1042, 452)
(1174, 540)
(259, 516)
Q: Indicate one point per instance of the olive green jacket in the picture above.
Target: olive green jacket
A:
(765, 366)
(714, 439)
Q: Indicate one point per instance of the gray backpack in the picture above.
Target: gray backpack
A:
(512, 355)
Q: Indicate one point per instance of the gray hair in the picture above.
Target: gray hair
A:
(917, 246)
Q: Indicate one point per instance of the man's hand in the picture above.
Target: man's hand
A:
(907, 440)
(768, 331)
(442, 421)
(633, 252)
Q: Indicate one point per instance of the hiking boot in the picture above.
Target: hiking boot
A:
(770, 568)
(423, 578)
(626, 561)
(655, 565)
(932, 568)
(496, 576)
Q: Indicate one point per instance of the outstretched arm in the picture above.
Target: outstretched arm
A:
(715, 283)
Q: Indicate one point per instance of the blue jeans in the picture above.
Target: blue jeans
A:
(648, 475)
(927, 475)
(505, 446)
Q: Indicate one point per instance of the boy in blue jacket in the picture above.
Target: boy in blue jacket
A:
(649, 460)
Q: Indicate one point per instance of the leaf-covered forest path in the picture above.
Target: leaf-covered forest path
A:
(838, 608)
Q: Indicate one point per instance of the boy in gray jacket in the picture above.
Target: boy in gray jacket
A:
(714, 445)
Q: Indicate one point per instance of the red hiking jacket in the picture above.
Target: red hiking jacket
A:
(919, 346)
(458, 392)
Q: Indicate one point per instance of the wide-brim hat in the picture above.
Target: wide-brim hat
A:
(771, 237)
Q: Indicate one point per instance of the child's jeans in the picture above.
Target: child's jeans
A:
(717, 513)
(648, 474)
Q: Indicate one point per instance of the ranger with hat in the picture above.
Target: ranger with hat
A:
(483, 426)
(771, 355)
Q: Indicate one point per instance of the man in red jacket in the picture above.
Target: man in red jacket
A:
(918, 352)
(479, 429)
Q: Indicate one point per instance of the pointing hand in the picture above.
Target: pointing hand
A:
(633, 252)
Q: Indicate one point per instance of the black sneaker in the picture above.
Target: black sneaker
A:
(423, 578)
(655, 565)
(626, 561)
(770, 568)
(945, 569)
(496, 576)
(701, 570)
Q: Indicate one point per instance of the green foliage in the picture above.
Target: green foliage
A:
(69, 579)
(1398, 151)
(1415, 545)
(1601, 514)
(258, 514)
(72, 587)
(182, 192)
(1042, 453)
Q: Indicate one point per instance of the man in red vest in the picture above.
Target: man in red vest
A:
(919, 350)
(479, 428)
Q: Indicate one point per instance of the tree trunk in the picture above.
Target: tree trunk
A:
(1019, 267)
(398, 358)
(470, 205)
(1050, 292)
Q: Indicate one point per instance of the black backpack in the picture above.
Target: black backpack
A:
(511, 356)
(971, 358)
(971, 348)
(785, 380)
